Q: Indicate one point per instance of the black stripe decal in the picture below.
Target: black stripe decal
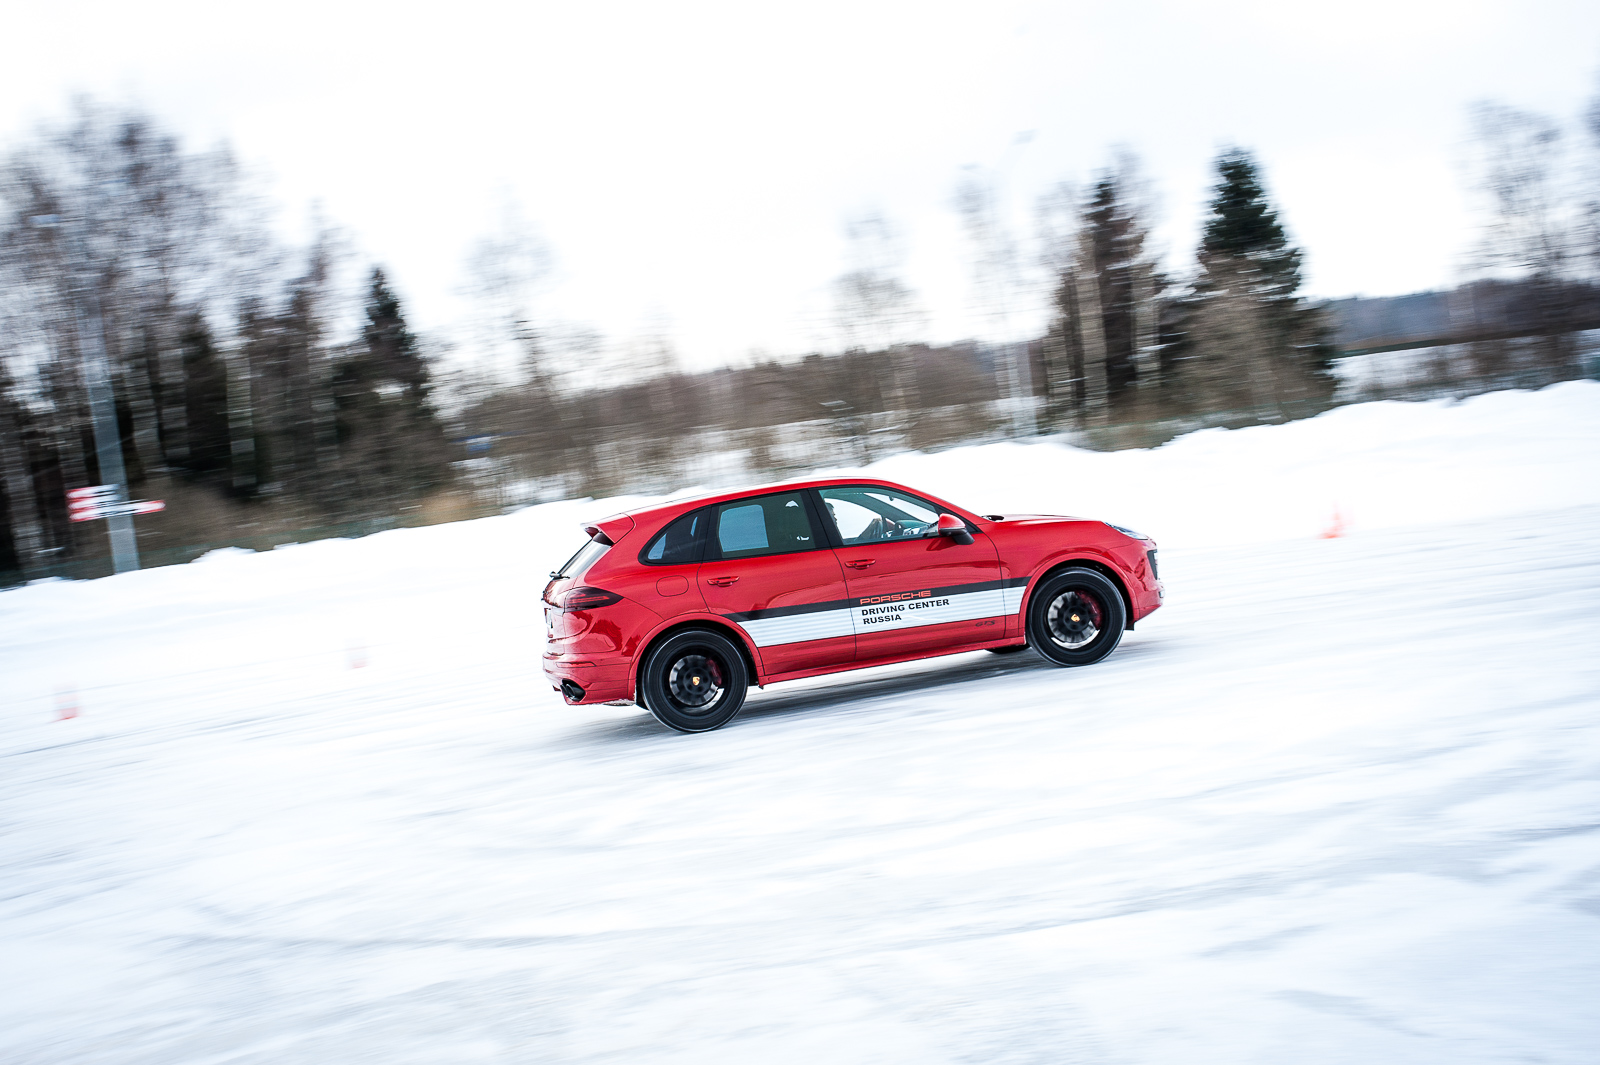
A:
(846, 604)
(791, 611)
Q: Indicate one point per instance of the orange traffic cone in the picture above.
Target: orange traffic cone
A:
(1336, 525)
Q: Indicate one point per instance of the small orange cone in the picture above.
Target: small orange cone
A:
(1336, 525)
(66, 704)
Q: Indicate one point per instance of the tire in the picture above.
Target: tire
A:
(1076, 617)
(694, 681)
(1013, 649)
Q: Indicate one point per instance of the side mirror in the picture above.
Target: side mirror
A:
(955, 528)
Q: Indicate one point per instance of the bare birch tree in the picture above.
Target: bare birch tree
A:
(997, 274)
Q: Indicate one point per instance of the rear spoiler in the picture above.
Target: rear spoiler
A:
(609, 530)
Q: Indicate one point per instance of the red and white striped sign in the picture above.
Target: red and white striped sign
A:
(100, 501)
(83, 504)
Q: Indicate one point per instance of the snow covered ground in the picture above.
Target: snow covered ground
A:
(1338, 801)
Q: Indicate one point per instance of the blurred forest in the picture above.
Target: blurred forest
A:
(269, 398)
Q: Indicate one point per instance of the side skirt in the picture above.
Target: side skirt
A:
(845, 667)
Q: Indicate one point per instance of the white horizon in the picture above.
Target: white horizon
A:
(692, 169)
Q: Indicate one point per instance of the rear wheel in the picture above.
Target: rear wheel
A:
(694, 681)
(1076, 617)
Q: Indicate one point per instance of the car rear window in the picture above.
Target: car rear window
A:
(579, 563)
(679, 542)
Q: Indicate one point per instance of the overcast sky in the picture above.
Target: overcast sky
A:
(691, 165)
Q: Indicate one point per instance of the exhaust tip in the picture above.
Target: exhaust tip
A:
(571, 692)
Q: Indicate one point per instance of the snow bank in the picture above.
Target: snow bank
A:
(1377, 465)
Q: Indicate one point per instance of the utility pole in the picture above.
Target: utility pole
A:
(107, 437)
(84, 292)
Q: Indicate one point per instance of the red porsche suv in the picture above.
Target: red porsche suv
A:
(681, 606)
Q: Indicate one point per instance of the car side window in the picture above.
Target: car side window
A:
(766, 525)
(679, 542)
(869, 514)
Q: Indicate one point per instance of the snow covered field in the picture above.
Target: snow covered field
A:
(1338, 801)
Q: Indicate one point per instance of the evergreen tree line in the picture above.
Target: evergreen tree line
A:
(1129, 343)
(234, 398)
(263, 400)
(1236, 341)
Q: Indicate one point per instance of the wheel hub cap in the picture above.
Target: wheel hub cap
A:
(1075, 619)
(695, 682)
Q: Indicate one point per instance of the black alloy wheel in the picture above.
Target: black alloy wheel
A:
(694, 681)
(1076, 617)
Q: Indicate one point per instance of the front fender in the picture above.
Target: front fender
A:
(1078, 553)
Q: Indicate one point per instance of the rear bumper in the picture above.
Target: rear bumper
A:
(601, 678)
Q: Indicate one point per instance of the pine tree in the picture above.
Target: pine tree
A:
(1249, 340)
(390, 439)
(1243, 224)
(22, 531)
(207, 449)
(1101, 345)
(391, 346)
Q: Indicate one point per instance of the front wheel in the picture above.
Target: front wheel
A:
(694, 681)
(1076, 617)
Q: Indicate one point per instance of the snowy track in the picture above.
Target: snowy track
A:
(1338, 801)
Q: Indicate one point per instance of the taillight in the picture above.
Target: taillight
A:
(588, 599)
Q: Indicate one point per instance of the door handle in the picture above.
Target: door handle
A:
(861, 563)
(722, 582)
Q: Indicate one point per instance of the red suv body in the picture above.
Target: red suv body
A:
(680, 606)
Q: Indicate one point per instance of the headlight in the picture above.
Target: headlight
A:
(1129, 532)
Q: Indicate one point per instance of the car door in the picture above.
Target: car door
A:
(769, 569)
(910, 589)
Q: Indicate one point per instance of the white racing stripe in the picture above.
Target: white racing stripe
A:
(796, 628)
(874, 616)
